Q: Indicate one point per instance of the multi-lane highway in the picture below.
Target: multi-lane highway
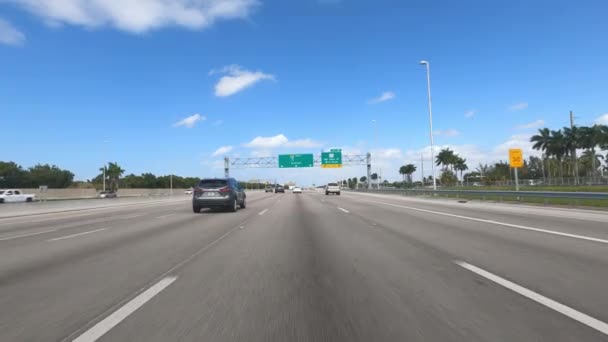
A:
(306, 267)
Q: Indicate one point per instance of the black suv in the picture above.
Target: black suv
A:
(279, 189)
(218, 193)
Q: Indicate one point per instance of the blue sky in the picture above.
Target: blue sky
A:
(86, 81)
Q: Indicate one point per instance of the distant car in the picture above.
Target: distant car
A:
(269, 189)
(14, 195)
(332, 188)
(218, 193)
(279, 189)
(297, 190)
(108, 194)
(188, 192)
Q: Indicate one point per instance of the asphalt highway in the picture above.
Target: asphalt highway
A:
(306, 267)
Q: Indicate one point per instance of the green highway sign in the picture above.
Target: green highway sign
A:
(331, 160)
(295, 160)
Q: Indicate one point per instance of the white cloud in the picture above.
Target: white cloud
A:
(303, 143)
(261, 153)
(267, 142)
(533, 124)
(9, 34)
(137, 16)
(236, 79)
(386, 96)
(281, 140)
(470, 113)
(501, 152)
(519, 106)
(447, 133)
(602, 119)
(221, 151)
(190, 121)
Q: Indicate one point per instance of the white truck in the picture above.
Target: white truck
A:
(14, 195)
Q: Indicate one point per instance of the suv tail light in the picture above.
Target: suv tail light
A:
(224, 189)
(198, 191)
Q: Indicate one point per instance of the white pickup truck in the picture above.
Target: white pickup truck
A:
(13, 195)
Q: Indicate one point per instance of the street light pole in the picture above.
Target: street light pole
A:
(375, 147)
(428, 82)
(104, 164)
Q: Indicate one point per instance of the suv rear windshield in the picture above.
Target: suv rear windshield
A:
(212, 183)
(332, 184)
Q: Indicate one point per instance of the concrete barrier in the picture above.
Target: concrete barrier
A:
(54, 194)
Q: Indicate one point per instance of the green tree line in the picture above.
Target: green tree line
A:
(13, 175)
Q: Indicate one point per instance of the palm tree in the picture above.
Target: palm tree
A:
(445, 158)
(403, 171)
(591, 137)
(409, 170)
(541, 143)
(572, 136)
(461, 165)
(113, 174)
(590, 160)
(557, 148)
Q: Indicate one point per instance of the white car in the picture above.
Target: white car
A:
(14, 195)
(188, 192)
(297, 190)
(332, 188)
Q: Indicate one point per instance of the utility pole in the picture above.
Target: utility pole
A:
(104, 177)
(422, 168)
(574, 150)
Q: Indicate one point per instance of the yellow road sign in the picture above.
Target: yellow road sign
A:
(516, 157)
(331, 166)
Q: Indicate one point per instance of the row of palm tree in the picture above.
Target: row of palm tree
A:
(449, 160)
(563, 144)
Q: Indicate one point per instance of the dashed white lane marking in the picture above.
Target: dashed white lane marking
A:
(165, 216)
(25, 235)
(76, 235)
(574, 236)
(344, 210)
(550, 303)
(101, 328)
(262, 212)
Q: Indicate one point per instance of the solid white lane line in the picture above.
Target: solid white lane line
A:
(262, 212)
(132, 216)
(574, 236)
(165, 216)
(561, 308)
(31, 234)
(344, 210)
(75, 235)
(101, 328)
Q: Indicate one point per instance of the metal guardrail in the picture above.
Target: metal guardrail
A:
(495, 193)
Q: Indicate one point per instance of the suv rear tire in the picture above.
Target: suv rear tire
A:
(243, 204)
(196, 208)
(233, 208)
